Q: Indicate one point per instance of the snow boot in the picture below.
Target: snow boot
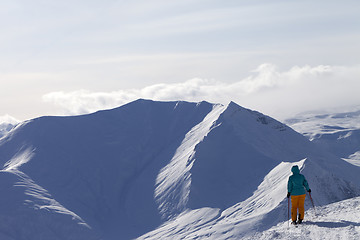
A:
(299, 221)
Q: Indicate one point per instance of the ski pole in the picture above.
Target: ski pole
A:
(312, 202)
(288, 211)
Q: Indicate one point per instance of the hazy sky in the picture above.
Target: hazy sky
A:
(279, 57)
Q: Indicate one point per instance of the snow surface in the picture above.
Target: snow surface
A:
(339, 220)
(166, 170)
(174, 180)
(252, 218)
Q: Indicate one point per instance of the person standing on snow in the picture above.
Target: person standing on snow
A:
(297, 185)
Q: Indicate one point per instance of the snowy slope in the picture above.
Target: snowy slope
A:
(242, 131)
(28, 211)
(339, 220)
(253, 217)
(161, 170)
(236, 221)
(103, 166)
(250, 145)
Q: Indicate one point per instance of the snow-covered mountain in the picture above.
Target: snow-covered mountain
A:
(338, 131)
(6, 124)
(158, 170)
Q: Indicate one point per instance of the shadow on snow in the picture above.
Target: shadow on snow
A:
(332, 224)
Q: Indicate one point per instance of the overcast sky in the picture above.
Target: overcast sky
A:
(279, 57)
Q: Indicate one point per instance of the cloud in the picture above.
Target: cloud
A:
(83, 101)
(266, 89)
(7, 119)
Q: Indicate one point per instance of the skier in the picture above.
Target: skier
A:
(296, 188)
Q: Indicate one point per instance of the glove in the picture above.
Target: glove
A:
(288, 195)
(309, 190)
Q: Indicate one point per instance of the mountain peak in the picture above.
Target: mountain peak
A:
(235, 109)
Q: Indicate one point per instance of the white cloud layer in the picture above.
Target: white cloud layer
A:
(7, 119)
(269, 90)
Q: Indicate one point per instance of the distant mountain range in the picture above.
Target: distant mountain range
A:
(338, 132)
(5, 128)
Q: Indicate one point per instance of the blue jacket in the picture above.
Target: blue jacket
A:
(297, 182)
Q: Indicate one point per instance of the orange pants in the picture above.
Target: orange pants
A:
(297, 202)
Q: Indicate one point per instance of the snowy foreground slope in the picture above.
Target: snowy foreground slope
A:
(339, 220)
(161, 170)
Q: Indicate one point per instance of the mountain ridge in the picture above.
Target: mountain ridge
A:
(129, 170)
